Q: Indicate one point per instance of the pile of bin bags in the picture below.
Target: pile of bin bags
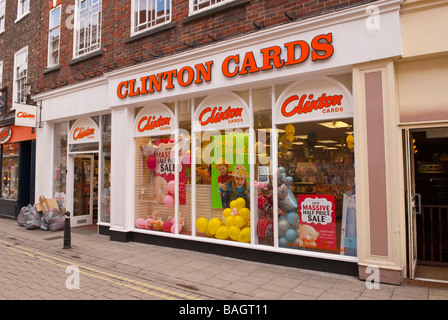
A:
(31, 219)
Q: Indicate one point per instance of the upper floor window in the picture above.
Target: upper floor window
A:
(149, 13)
(20, 75)
(2, 15)
(197, 5)
(1, 74)
(54, 35)
(23, 8)
(88, 26)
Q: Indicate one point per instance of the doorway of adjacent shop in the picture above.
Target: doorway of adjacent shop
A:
(84, 189)
(427, 203)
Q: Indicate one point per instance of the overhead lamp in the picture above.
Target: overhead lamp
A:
(335, 124)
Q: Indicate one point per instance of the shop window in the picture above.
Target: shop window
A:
(60, 162)
(160, 180)
(223, 170)
(10, 171)
(316, 169)
(263, 209)
(106, 165)
(318, 165)
(150, 13)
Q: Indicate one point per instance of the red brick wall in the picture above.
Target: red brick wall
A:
(16, 36)
(117, 52)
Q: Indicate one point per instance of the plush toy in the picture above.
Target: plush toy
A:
(158, 224)
(308, 236)
(286, 199)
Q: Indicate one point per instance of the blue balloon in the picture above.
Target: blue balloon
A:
(282, 242)
(290, 235)
(292, 217)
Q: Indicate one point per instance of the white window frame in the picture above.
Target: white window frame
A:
(23, 9)
(210, 4)
(1, 74)
(2, 15)
(137, 26)
(90, 15)
(50, 30)
(18, 82)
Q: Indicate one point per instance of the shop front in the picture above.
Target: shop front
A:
(17, 154)
(253, 147)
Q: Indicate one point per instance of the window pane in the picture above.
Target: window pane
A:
(10, 171)
(318, 159)
(60, 161)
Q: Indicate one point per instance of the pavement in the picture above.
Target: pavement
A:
(35, 266)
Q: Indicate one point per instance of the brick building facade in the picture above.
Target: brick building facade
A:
(185, 31)
(20, 32)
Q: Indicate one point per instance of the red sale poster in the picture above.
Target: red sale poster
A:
(317, 221)
(165, 171)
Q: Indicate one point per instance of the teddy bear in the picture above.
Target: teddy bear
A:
(286, 199)
(308, 236)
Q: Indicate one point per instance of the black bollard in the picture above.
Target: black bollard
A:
(67, 231)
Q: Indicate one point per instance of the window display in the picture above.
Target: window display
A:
(157, 184)
(60, 162)
(271, 166)
(223, 168)
(10, 171)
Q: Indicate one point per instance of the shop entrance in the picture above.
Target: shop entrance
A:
(427, 203)
(85, 189)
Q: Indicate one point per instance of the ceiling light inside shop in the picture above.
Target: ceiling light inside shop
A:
(298, 143)
(301, 137)
(335, 124)
(331, 148)
(327, 141)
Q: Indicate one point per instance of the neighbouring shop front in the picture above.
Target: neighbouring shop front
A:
(18, 158)
(253, 148)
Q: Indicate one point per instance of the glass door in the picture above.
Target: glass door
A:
(413, 201)
(85, 189)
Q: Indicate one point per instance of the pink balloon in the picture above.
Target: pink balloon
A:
(167, 226)
(186, 160)
(169, 201)
(173, 228)
(151, 162)
(171, 186)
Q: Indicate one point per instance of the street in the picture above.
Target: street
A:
(34, 266)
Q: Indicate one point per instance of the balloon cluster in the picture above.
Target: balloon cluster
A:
(288, 216)
(234, 225)
(168, 200)
(286, 139)
(156, 223)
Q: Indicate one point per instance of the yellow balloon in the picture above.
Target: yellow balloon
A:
(350, 145)
(244, 235)
(350, 139)
(227, 212)
(240, 203)
(245, 213)
(201, 224)
(290, 130)
(222, 233)
(230, 221)
(234, 232)
(239, 221)
(213, 225)
(232, 204)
